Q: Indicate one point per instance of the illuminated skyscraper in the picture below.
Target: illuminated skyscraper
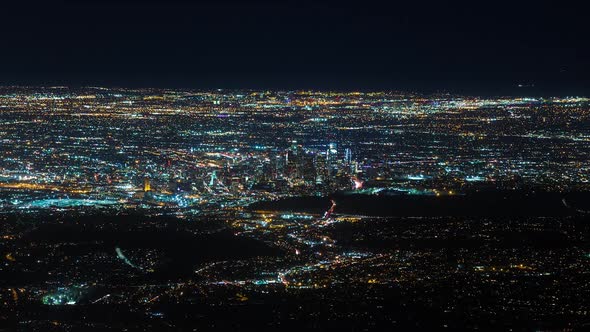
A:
(333, 149)
(146, 185)
(213, 179)
(331, 155)
(294, 146)
(347, 156)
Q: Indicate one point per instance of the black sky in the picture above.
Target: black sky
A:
(480, 47)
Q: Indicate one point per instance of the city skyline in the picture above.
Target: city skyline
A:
(226, 209)
(175, 165)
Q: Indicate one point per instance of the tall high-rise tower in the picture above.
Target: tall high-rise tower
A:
(146, 184)
(347, 156)
(331, 155)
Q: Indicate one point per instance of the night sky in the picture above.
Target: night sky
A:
(486, 47)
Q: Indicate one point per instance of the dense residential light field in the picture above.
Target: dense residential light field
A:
(176, 209)
(203, 149)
